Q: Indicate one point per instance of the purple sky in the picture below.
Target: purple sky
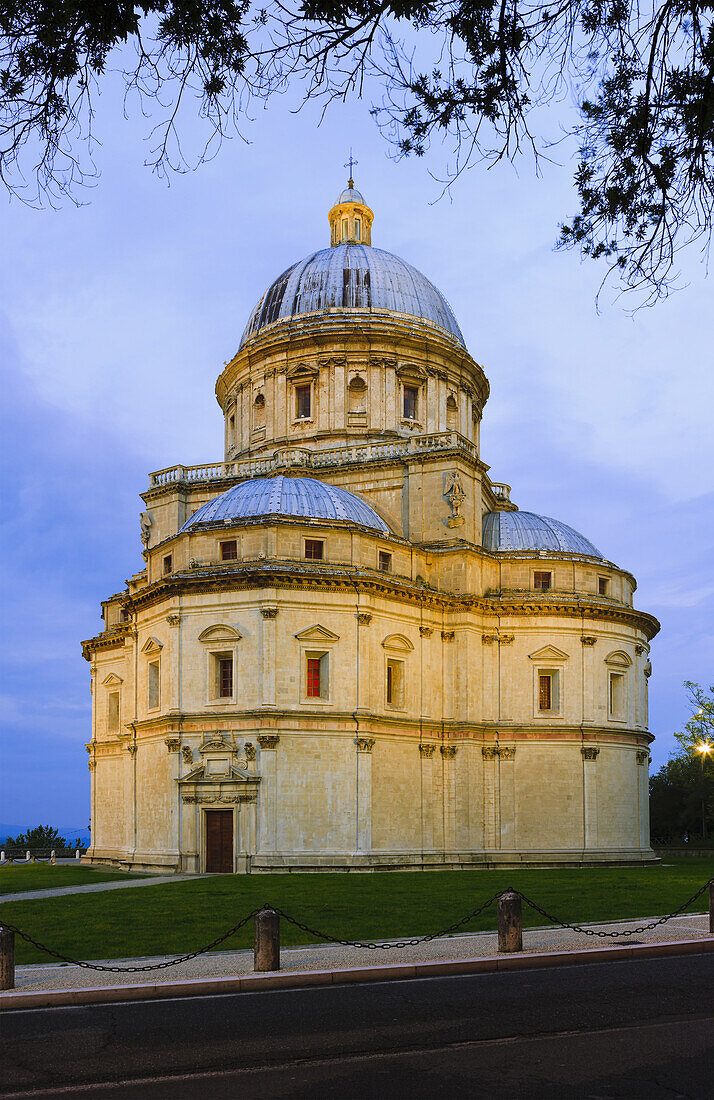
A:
(116, 318)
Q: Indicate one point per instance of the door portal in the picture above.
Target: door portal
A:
(219, 842)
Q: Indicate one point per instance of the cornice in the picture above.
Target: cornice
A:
(315, 335)
(342, 723)
(293, 575)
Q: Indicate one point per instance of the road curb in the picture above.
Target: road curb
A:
(297, 979)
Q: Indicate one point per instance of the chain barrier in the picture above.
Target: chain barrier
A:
(369, 945)
(131, 969)
(366, 944)
(617, 934)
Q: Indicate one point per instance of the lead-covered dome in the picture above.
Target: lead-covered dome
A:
(352, 276)
(506, 531)
(288, 497)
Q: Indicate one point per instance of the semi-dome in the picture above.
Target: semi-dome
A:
(506, 531)
(289, 497)
(352, 276)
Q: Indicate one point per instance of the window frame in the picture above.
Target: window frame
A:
(167, 565)
(213, 675)
(303, 388)
(385, 556)
(227, 542)
(408, 391)
(113, 727)
(322, 556)
(154, 664)
(555, 674)
(324, 657)
(619, 713)
(395, 675)
(603, 586)
(542, 573)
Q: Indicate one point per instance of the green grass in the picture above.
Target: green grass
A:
(180, 917)
(18, 878)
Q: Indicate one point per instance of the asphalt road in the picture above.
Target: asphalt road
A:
(640, 1028)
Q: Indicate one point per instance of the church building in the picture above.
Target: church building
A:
(347, 648)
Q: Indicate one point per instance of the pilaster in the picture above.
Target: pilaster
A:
(590, 823)
(364, 793)
(268, 792)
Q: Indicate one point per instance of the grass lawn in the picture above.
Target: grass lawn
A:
(180, 917)
(17, 878)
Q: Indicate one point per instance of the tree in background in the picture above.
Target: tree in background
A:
(479, 75)
(682, 791)
(42, 836)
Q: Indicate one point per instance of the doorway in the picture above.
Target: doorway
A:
(219, 842)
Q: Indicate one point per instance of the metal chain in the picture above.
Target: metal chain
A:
(131, 969)
(623, 932)
(367, 944)
(387, 946)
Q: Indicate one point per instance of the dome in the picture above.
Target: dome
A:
(504, 531)
(351, 194)
(352, 276)
(295, 497)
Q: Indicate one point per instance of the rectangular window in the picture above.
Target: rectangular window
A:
(411, 397)
(313, 677)
(113, 711)
(229, 550)
(168, 564)
(358, 229)
(224, 675)
(231, 430)
(617, 695)
(542, 581)
(384, 561)
(154, 685)
(602, 586)
(545, 691)
(314, 549)
(345, 229)
(302, 402)
(395, 683)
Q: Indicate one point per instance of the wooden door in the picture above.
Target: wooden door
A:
(219, 842)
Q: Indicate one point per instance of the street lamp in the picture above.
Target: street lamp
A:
(705, 748)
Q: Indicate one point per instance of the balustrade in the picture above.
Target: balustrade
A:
(294, 457)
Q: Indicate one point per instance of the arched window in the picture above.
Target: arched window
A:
(259, 411)
(345, 229)
(357, 391)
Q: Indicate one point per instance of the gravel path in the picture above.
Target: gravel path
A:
(40, 976)
(93, 887)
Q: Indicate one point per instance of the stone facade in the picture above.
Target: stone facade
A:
(429, 745)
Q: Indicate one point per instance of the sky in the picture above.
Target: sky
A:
(117, 315)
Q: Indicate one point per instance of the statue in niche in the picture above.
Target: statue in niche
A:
(454, 492)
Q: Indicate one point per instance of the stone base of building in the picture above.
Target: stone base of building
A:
(303, 862)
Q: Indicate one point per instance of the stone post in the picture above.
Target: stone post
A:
(7, 958)
(510, 924)
(266, 952)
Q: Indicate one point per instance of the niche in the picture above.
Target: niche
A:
(357, 398)
(451, 412)
(259, 411)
